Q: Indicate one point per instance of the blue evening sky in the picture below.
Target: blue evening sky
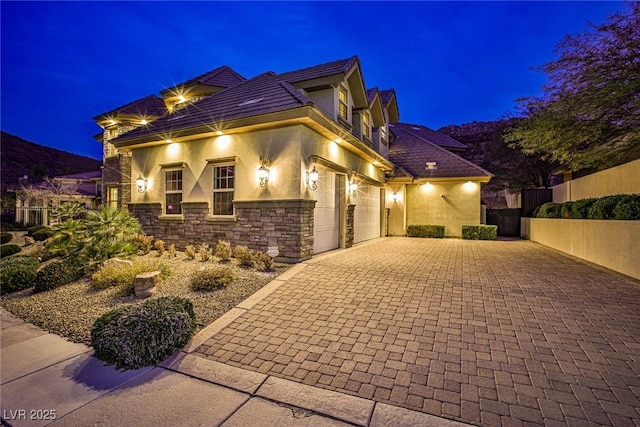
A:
(62, 63)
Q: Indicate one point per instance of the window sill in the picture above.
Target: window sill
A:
(345, 123)
(221, 218)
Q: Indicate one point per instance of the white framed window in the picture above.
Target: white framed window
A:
(343, 103)
(112, 197)
(223, 189)
(366, 129)
(173, 192)
(383, 133)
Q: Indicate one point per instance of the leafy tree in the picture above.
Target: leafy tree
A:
(589, 115)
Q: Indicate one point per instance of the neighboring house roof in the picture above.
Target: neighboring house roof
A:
(430, 135)
(266, 93)
(411, 152)
(81, 176)
(148, 106)
(223, 76)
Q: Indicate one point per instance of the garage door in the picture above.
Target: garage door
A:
(366, 217)
(326, 226)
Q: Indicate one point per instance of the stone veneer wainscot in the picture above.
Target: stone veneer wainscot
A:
(285, 224)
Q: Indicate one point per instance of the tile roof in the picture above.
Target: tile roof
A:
(223, 76)
(148, 106)
(340, 66)
(82, 175)
(371, 93)
(386, 95)
(411, 152)
(263, 94)
(430, 135)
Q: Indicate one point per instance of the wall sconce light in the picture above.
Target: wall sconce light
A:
(353, 187)
(141, 183)
(263, 172)
(312, 178)
(394, 196)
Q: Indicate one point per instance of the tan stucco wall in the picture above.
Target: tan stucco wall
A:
(623, 179)
(280, 146)
(612, 244)
(397, 217)
(452, 204)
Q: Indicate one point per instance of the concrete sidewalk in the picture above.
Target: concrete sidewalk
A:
(46, 380)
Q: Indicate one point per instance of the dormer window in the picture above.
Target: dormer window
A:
(366, 129)
(343, 103)
(383, 133)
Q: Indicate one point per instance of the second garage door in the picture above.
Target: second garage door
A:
(366, 217)
(326, 225)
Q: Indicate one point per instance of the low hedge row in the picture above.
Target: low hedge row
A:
(434, 231)
(8, 250)
(57, 273)
(480, 232)
(17, 273)
(617, 207)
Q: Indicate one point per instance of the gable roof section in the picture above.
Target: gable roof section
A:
(341, 66)
(430, 135)
(149, 106)
(390, 102)
(260, 95)
(224, 77)
(375, 106)
(411, 152)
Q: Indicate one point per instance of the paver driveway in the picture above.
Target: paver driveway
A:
(490, 333)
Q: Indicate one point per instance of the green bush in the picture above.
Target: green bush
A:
(17, 273)
(42, 234)
(5, 238)
(244, 255)
(223, 250)
(480, 232)
(434, 231)
(135, 336)
(550, 210)
(8, 250)
(566, 210)
(33, 229)
(580, 208)
(212, 278)
(603, 207)
(628, 208)
(124, 276)
(58, 273)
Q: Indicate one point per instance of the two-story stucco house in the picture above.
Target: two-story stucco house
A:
(299, 163)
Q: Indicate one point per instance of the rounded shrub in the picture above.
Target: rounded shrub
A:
(212, 278)
(42, 234)
(58, 273)
(8, 250)
(135, 336)
(5, 238)
(244, 255)
(580, 208)
(604, 206)
(550, 210)
(628, 208)
(17, 273)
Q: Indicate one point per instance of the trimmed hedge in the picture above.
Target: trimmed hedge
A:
(34, 228)
(5, 238)
(145, 334)
(433, 231)
(8, 250)
(480, 232)
(618, 207)
(57, 273)
(17, 273)
(42, 234)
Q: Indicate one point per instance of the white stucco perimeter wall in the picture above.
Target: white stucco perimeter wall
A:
(611, 244)
(623, 179)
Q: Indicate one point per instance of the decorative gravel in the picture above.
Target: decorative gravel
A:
(71, 310)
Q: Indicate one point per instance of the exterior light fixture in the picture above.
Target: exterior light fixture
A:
(141, 183)
(394, 196)
(312, 178)
(181, 99)
(219, 132)
(143, 122)
(353, 187)
(168, 141)
(263, 172)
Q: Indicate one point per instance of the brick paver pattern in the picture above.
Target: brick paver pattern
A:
(489, 333)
